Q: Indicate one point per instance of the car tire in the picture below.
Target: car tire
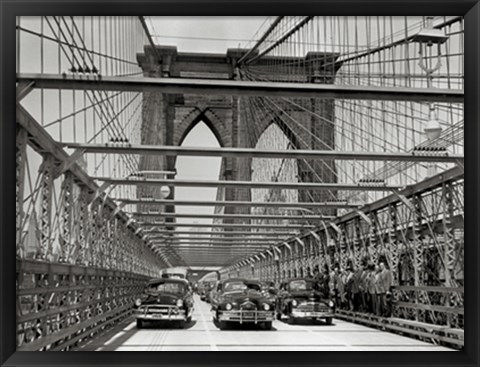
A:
(329, 320)
(291, 320)
(139, 324)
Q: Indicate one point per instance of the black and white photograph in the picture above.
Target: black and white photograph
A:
(240, 183)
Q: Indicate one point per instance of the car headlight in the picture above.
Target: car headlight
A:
(266, 306)
(331, 304)
(179, 303)
(138, 302)
(294, 303)
(228, 306)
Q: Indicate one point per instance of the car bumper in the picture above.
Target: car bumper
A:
(246, 316)
(169, 313)
(311, 314)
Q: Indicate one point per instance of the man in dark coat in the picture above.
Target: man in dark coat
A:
(385, 285)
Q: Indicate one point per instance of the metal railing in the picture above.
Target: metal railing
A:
(60, 305)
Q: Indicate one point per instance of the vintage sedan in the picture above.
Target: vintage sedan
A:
(303, 298)
(204, 291)
(165, 299)
(241, 301)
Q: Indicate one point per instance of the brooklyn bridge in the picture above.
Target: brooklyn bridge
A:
(318, 148)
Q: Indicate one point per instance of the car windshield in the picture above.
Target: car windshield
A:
(300, 285)
(174, 276)
(240, 286)
(170, 287)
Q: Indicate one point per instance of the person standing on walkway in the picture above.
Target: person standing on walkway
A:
(379, 292)
(349, 287)
(336, 286)
(386, 282)
(370, 280)
(355, 289)
(363, 288)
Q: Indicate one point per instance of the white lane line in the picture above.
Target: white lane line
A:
(119, 334)
(115, 336)
(213, 346)
(340, 342)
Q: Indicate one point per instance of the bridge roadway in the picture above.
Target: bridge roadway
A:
(202, 335)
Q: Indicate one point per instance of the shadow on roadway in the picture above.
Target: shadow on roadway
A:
(307, 322)
(246, 326)
(161, 324)
(122, 337)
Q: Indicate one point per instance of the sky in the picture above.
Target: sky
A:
(206, 34)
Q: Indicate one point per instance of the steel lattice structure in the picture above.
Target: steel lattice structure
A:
(345, 131)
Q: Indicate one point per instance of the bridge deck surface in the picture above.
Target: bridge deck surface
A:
(202, 335)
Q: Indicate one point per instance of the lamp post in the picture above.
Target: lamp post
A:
(426, 38)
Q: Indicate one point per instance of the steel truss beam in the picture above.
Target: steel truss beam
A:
(251, 184)
(202, 259)
(23, 89)
(211, 262)
(217, 239)
(46, 204)
(21, 159)
(232, 216)
(293, 206)
(233, 247)
(137, 258)
(258, 245)
(43, 143)
(240, 88)
(452, 174)
(371, 235)
(225, 233)
(226, 248)
(203, 268)
(223, 225)
(67, 247)
(213, 244)
(208, 256)
(119, 148)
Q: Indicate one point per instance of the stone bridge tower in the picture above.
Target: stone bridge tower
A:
(167, 119)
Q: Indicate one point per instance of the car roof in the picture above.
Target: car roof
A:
(168, 280)
(240, 280)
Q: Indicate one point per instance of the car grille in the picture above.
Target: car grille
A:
(314, 307)
(248, 306)
(158, 309)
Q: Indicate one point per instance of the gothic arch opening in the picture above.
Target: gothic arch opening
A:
(274, 170)
(198, 168)
(187, 126)
(282, 127)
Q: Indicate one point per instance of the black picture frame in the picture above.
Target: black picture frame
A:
(9, 9)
